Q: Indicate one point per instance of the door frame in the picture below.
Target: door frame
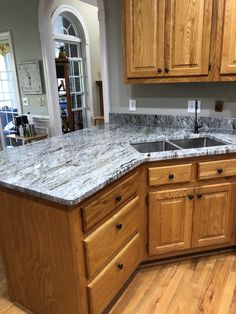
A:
(45, 12)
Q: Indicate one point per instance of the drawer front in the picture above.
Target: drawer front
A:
(216, 169)
(105, 202)
(170, 174)
(102, 244)
(105, 286)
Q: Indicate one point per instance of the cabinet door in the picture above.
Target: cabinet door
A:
(213, 215)
(170, 220)
(187, 37)
(144, 34)
(228, 57)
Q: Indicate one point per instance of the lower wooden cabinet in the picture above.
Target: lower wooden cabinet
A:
(170, 220)
(212, 215)
(188, 218)
(105, 286)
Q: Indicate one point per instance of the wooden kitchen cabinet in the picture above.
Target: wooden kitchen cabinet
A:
(228, 58)
(170, 220)
(171, 41)
(212, 215)
(167, 38)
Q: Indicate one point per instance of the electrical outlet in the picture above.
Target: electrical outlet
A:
(191, 106)
(25, 101)
(132, 105)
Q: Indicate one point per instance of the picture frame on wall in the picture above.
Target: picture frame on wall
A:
(30, 77)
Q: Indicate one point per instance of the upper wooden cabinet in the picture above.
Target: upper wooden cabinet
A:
(168, 41)
(167, 38)
(228, 59)
(144, 37)
(187, 37)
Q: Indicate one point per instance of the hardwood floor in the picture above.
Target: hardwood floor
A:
(6, 306)
(204, 285)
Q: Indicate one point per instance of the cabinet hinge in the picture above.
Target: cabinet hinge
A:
(147, 200)
(209, 67)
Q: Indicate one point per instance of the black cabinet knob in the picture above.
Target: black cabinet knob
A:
(220, 170)
(199, 195)
(166, 70)
(119, 226)
(159, 70)
(190, 196)
(120, 266)
(171, 176)
(118, 198)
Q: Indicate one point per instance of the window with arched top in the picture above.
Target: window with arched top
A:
(68, 40)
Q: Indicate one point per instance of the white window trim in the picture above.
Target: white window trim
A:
(7, 36)
(46, 9)
(87, 78)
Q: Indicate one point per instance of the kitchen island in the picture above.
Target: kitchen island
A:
(75, 207)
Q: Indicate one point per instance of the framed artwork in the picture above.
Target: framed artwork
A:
(30, 77)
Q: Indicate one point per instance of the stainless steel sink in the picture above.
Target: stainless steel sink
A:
(151, 147)
(161, 146)
(197, 142)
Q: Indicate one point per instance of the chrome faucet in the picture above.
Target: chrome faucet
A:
(196, 125)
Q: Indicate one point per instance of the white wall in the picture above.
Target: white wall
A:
(158, 98)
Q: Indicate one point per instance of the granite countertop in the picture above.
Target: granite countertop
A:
(68, 168)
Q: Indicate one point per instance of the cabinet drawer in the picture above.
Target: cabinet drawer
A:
(105, 286)
(107, 201)
(170, 174)
(101, 245)
(216, 169)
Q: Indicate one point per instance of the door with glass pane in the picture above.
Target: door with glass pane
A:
(67, 36)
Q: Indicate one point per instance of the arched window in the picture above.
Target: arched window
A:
(67, 37)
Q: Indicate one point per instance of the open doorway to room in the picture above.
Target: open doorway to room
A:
(77, 58)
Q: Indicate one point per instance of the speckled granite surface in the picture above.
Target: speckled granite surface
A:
(226, 123)
(67, 169)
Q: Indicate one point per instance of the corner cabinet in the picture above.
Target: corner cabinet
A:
(167, 38)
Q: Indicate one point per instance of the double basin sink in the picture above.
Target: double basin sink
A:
(161, 146)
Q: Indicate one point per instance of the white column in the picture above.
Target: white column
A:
(104, 59)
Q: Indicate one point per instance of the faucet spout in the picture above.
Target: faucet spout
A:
(196, 125)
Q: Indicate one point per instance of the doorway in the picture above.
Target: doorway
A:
(47, 10)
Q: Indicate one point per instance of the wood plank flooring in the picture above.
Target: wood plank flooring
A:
(204, 285)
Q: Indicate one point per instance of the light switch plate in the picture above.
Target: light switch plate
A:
(25, 101)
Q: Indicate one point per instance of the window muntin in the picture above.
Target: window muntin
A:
(65, 34)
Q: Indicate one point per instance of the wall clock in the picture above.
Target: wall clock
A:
(30, 78)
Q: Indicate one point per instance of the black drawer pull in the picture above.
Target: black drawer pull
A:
(159, 70)
(220, 170)
(118, 198)
(171, 176)
(166, 70)
(119, 226)
(199, 195)
(190, 196)
(120, 266)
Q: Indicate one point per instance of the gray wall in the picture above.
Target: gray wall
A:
(21, 18)
(158, 98)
